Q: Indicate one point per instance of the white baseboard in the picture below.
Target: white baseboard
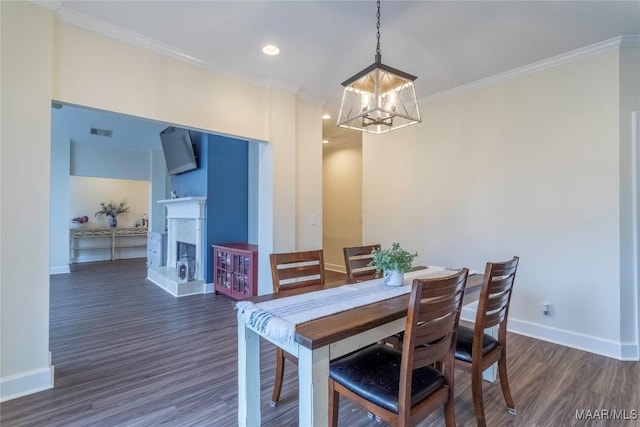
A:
(609, 348)
(29, 382)
(335, 267)
(208, 288)
(61, 269)
(630, 351)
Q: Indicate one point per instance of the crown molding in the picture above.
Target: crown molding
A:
(49, 4)
(554, 61)
(92, 24)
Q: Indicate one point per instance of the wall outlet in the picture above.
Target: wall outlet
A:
(547, 309)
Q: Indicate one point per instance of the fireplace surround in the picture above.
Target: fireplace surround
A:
(185, 224)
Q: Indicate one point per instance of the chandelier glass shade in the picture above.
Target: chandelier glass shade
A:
(379, 98)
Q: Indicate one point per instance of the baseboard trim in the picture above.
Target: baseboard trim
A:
(630, 351)
(609, 348)
(29, 382)
(208, 288)
(61, 269)
(335, 267)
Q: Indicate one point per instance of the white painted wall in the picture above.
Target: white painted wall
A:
(86, 194)
(527, 167)
(253, 167)
(159, 191)
(88, 160)
(60, 166)
(282, 137)
(96, 71)
(629, 219)
(342, 198)
(309, 181)
(26, 32)
(84, 159)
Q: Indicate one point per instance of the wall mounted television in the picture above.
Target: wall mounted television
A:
(178, 150)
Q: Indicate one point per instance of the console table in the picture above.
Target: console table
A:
(105, 238)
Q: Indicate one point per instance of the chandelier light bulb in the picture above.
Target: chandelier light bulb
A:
(379, 98)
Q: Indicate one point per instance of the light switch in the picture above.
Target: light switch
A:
(312, 219)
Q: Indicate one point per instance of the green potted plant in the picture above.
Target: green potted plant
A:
(393, 262)
(112, 211)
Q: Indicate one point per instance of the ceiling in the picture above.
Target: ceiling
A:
(445, 43)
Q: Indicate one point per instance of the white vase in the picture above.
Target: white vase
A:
(393, 278)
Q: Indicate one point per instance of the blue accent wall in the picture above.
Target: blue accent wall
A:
(227, 194)
(193, 183)
(222, 176)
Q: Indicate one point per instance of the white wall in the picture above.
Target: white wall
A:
(96, 71)
(60, 166)
(88, 160)
(309, 181)
(158, 191)
(629, 221)
(86, 194)
(342, 195)
(527, 167)
(25, 153)
(83, 159)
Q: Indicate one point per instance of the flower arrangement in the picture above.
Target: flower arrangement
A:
(112, 209)
(80, 219)
(394, 259)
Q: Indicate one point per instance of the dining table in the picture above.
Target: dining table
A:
(315, 343)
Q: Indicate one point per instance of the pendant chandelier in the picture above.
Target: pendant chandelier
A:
(379, 98)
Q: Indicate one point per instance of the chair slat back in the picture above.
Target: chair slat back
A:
(356, 262)
(432, 318)
(295, 270)
(495, 296)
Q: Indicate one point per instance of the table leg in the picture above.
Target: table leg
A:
(248, 376)
(313, 382)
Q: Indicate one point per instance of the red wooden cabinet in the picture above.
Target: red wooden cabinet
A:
(235, 270)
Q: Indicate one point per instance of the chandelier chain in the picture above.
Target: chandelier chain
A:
(378, 30)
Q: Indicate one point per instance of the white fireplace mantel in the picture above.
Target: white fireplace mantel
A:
(185, 223)
(185, 207)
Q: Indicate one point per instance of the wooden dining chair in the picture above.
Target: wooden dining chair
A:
(356, 262)
(403, 387)
(476, 350)
(293, 270)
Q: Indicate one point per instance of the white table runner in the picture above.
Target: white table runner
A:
(277, 319)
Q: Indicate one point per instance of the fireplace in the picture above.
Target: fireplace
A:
(185, 249)
(185, 234)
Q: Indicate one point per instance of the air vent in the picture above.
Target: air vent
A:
(56, 105)
(101, 132)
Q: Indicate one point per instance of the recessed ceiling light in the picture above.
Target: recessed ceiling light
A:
(325, 141)
(326, 116)
(270, 50)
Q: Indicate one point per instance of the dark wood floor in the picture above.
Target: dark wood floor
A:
(126, 353)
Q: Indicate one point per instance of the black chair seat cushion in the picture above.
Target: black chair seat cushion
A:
(464, 343)
(374, 374)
